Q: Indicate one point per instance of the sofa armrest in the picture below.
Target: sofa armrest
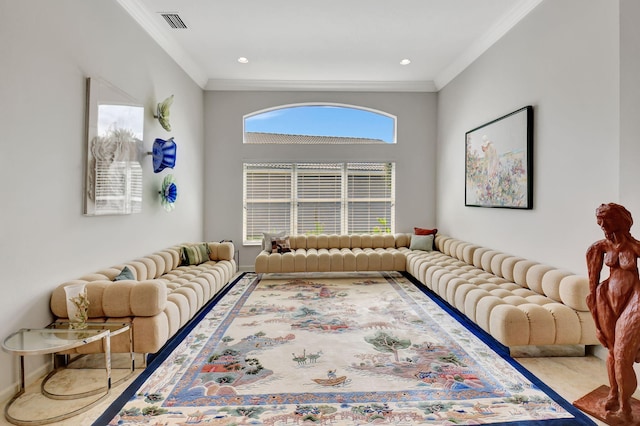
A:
(573, 292)
(262, 262)
(134, 298)
(116, 299)
(221, 251)
(58, 302)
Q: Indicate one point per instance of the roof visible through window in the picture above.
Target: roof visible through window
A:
(319, 124)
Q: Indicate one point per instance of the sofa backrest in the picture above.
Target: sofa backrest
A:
(348, 241)
(559, 285)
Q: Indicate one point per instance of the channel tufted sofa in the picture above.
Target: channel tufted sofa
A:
(518, 301)
(331, 253)
(162, 293)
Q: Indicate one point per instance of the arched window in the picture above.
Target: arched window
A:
(319, 123)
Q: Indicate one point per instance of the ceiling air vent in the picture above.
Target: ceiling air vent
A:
(174, 20)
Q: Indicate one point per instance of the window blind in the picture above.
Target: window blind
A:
(267, 199)
(117, 187)
(318, 198)
(370, 195)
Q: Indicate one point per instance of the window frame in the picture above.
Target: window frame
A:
(328, 104)
(295, 200)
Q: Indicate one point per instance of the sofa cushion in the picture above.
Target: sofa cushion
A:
(116, 298)
(125, 274)
(268, 236)
(195, 254)
(402, 240)
(573, 292)
(421, 242)
(148, 298)
(425, 231)
(280, 245)
(221, 251)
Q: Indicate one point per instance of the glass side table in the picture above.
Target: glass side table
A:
(115, 329)
(56, 338)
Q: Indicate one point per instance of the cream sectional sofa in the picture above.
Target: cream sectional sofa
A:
(164, 294)
(335, 253)
(518, 301)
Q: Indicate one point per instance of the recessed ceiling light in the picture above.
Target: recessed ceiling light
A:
(243, 60)
(405, 62)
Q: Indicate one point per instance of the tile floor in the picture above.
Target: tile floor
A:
(571, 377)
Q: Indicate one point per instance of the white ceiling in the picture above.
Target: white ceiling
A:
(327, 44)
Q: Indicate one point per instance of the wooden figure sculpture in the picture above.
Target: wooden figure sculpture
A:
(615, 306)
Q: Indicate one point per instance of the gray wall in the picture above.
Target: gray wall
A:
(414, 155)
(563, 59)
(576, 62)
(47, 49)
(630, 106)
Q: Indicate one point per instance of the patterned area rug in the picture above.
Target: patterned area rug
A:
(350, 350)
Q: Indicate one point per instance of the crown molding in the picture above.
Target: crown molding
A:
(482, 44)
(309, 85)
(147, 22)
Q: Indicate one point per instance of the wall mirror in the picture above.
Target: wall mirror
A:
(113, 175)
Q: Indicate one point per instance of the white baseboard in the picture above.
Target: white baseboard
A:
(32, 377)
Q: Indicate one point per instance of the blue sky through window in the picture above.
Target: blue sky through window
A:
(324, 120)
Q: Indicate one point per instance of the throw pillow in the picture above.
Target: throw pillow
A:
(421, 242)
(195, 254)
(425, 231)
(268, 237)
(280, 245)
(125, 274)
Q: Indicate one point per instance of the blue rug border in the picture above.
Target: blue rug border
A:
(154, 360)
(502, 350)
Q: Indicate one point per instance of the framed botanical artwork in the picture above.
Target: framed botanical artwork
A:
(499, 162)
